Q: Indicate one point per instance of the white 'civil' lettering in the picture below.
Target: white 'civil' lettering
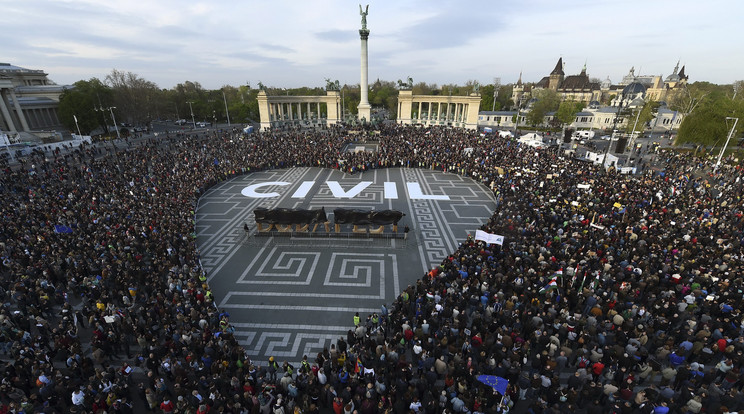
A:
(339, 192)
(415, 193)
(304, 188)
(390, 190)
(250, 191)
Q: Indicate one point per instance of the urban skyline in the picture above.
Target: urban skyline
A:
(288, 44)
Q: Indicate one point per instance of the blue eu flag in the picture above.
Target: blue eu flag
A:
(497, 383)
(59, 228)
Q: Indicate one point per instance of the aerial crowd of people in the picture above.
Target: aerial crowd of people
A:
(611, 293)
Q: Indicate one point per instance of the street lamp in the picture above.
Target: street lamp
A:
(614, 127)
(105, 124)
(226, 110)
(496, 86)
(116, 126)
(113, 118)
(77, 126)
(193, 121)
(519, 107)
(718, 161)
(633, 135)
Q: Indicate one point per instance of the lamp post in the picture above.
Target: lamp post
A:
(77, 126)
(226, 110)
(718, 161)
(193, 121)
(100, 109)
(633, 136)
(113, 118)
(614, 127)
(519, 108)
(496, 86)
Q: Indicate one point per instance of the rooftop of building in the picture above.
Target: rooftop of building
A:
(7, 67)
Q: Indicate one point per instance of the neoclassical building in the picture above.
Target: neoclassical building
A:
(28, 100)
(277, 111)
(445, 110)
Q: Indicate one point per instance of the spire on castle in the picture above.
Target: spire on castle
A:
(558, 68)
(681, 73)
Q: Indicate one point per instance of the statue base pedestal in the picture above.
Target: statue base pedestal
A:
(364, 113)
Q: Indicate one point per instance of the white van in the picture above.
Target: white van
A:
(583, 135)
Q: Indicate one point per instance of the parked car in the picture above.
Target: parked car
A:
(181, 122)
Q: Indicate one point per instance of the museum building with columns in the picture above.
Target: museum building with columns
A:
(28, 100)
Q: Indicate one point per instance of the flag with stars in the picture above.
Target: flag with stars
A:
(497, 383)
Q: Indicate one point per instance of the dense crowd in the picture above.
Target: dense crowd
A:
(106, 308)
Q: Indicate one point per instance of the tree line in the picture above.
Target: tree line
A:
(139, 102)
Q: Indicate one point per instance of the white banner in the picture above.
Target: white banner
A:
(489, 238)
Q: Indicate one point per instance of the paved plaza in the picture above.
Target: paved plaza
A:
(287, 295)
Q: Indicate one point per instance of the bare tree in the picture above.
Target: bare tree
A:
(135, 97)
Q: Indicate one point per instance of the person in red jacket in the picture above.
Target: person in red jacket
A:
(338, 405)
(722, 344)
(597, 369)
(167, 405)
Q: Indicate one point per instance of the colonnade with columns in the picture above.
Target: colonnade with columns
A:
(13, 117)
(278, 110)
(293, 111)
(438, 112)
(40, 118)
(456, 111)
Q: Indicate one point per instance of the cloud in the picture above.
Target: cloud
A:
(454, 28)
(289, 43)
(274, 48)
(339, 36)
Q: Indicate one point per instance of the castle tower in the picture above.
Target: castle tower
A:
(556, 76)
(518, 90)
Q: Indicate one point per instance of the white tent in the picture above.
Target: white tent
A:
(531, 137)
(533, 140)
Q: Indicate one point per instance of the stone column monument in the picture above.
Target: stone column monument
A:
(364, 107)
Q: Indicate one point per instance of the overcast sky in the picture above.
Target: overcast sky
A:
(296, 43)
